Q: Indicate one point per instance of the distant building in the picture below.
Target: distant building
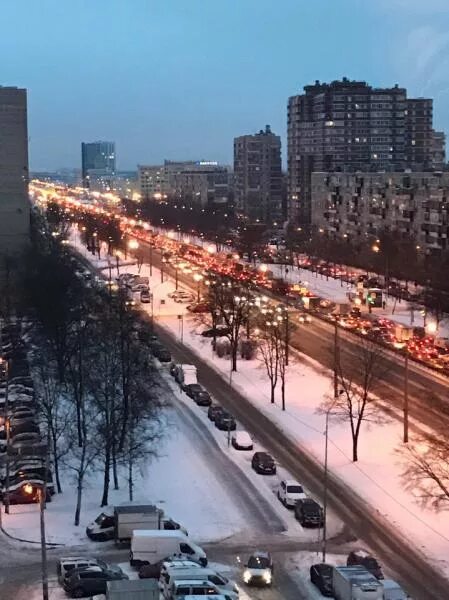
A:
(258, 176)
(356, 206)
(98, 167)
(14, 202)
(350, 126)
(438, 150)
(201, 182)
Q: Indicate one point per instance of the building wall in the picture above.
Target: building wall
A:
(358, 205)
(14, 203)
(98, 165)
(258, 176)
(350, 126)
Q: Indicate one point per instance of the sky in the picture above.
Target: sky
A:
(178, 79)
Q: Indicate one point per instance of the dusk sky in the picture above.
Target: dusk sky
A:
(179, 79)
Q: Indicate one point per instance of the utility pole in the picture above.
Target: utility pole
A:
(8, 436)
(151, 259)
(406, 396)
(326, 434)
(42, 502)
(336, 357)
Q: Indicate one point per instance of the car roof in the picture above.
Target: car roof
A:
(263, 455)
(291, 482)
(75, 558)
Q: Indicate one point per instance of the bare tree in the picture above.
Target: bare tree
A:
(427, 468)
(357, 381)
(232, 304)
(269, 348)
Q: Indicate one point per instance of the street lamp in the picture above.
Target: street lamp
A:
(42, 494)
(198, 278)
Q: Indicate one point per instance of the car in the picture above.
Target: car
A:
(67, 564)
(304, 318)
(309, 513)
(321, 577)
(365, 559)
(202, 398)
(241, 440)
(199, 307)
(225, 422)
(215, 332)
(162, 354)
(289, 492)
(214, 411)
(86, 582)
(259, 570)
(145, 296)
(193, 388)
(263, 463)
(183, 298)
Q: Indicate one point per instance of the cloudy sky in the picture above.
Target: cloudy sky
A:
(179, 79)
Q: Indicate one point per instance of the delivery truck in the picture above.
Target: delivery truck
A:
(148, 547)
(118, 522)
(355, 583)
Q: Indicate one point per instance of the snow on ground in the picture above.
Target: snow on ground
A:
(377, 475)
(165, 482)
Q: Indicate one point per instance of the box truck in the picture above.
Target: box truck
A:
(149, 547)
(355, 583)
(118, 522)
(140, 589)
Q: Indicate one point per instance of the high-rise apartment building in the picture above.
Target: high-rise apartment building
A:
(350, 126)
(258, 176)
(438, 150)
(14, 202)
(98, 165)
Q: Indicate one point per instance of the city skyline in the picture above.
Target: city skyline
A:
(179, 82)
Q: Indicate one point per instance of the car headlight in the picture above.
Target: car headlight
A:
(247, 576)
(267, 577)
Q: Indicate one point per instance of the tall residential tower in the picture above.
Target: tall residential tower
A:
(14, 203)
(98, 165)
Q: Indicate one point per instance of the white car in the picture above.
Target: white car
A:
(305, 318)
(289, 492)
(241, 440)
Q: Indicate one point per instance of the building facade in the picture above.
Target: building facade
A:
(350, 126)
(438, 150)
(258, 176)
(358, 205)
(98, 166)
(14, 202)
(205, 183)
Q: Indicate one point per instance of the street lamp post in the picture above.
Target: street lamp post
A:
(42, 494)
(198, 278)
(5, 363)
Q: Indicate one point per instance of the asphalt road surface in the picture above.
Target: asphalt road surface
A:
(405, 561)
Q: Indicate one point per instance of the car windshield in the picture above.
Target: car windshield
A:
(258, 562)
(294, 489)
(326, 572)
(99, 520)
(371, 563)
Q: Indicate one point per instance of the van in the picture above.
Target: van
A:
(192, 587)
(168, 580)
(151, 546)
(393, 591)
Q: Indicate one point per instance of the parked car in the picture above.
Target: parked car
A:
(214, 411)
(309, 513)
(25, 439)
(67, 564)
(321, 577)
(199, 307)
(289, 492)
(145, 296)
(263, 463)
(183, 298)
(225, 422)
(365, 559)
(215, 332)
(91, 580)
(162, 354)
(192, 388)
(241, 440)
(202, 398)
(259, 569)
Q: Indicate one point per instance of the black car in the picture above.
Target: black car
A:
(365, 559)
(309, 513)
(215, 332)
(91, 581)
(192, 388)
(263, 463)
(162, 354)
(214, 411)
(225, 422)
(321, 577)
(202, 398)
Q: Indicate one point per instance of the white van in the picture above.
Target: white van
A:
(174, 576)
(150, 546)
(193, 587)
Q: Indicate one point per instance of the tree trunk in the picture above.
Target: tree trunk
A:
(107, 468)
(56, 461)
(355, 447)
(79, 493)
(130, 479)
(283, 391)
(234, 352)
(114, 467)
(273, 387)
